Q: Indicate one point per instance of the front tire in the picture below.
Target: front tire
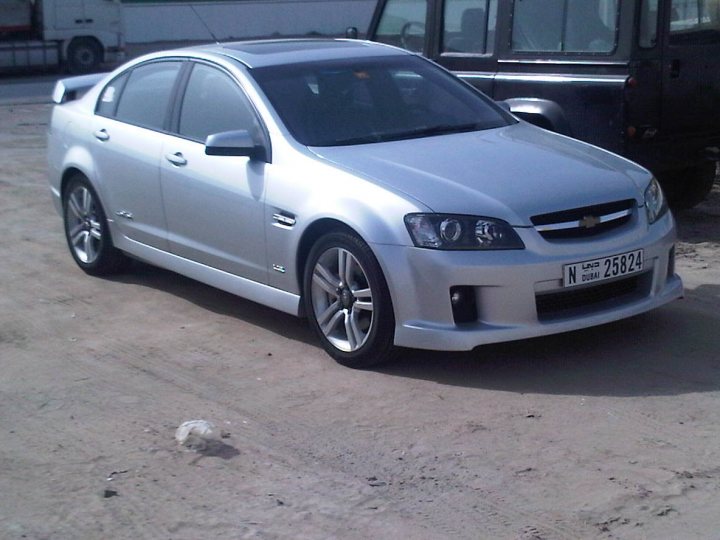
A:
(86, 230)
(347, 301)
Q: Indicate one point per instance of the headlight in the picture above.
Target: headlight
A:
(446, 231)
(655, 202)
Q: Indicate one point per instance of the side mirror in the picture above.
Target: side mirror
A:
(235, 143)
(351, 32)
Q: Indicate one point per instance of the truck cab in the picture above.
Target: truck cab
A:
(640, 78)
(81, 34)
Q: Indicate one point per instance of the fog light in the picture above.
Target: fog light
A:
(462, 300)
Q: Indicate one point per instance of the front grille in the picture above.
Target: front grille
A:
(557, 304)
(584, 221)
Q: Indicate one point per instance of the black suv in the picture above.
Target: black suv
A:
(638, 77)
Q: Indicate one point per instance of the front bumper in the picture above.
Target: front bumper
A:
(507, 284)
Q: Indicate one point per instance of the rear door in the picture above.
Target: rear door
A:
(131, 114)
(691, 67)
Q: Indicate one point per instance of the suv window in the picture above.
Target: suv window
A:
(647, 36)
(578, 26)
(403, 24)
(694, 21)
(214, 103)
(469, 26)
(146, 96)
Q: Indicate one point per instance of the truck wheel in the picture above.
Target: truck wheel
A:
(689, 187)
(84, 55)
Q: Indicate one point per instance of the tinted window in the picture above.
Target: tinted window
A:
(403, 24)
(647, 36)
(374, 100)
(469, 26)
(145, 99)
(214, 103)
(695, 21)
(564, 26)
(109, 98)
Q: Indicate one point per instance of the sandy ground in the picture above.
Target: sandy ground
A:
(611, 432)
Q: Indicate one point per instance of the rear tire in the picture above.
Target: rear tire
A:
(87, 232)
(347, 301)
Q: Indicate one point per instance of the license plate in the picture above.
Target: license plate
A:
(601, 269)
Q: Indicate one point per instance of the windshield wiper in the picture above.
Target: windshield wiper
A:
(429, 131)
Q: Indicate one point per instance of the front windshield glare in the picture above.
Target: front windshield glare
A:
(357, 101)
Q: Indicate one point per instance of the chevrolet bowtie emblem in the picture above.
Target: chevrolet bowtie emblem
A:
(588, 222)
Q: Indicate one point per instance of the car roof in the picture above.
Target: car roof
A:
(263, 53)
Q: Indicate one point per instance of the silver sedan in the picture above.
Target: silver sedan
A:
(360, 186)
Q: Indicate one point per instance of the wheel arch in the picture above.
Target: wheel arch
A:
(69, 173)
(542, 113)
(312, 234)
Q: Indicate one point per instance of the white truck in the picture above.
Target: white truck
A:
(79, 34)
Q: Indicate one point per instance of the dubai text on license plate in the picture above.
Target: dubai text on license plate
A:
(601, 269)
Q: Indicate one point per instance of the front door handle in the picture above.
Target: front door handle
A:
(176, 159)
(101, 135)
(675, 69)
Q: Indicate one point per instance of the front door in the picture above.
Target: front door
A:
(214, 204)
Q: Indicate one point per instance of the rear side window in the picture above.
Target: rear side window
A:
(469, 26)
(109, 98)
(214, 103)
(145, 99)
(695, 21)
(572, 26)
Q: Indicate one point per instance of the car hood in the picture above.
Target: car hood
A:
(511, 173)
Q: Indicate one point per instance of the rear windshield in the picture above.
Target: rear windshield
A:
(358, 101)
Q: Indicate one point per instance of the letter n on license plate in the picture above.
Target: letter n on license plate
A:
(594, 270)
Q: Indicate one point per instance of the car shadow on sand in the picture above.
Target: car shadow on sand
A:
(217, 301)
(672, 350)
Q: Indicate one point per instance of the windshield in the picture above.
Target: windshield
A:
(357, 101)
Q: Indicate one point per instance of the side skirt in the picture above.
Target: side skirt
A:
(245, 288)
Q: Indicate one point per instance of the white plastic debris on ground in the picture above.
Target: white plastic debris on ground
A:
(196, 434)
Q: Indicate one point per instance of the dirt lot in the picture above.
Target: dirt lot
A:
(611, 432)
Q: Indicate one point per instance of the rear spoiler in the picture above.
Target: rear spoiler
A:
(73, 88)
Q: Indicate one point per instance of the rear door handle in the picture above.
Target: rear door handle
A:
(101, 135)
(176, 159)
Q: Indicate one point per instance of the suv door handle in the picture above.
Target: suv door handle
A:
(675, 69)
(101, 135)
(176, 159)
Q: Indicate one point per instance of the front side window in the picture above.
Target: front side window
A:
(146, 97)
(214, 103)
(469, 26)
(374, 100)
(571, 26)
(402, 24)
(695, 21)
